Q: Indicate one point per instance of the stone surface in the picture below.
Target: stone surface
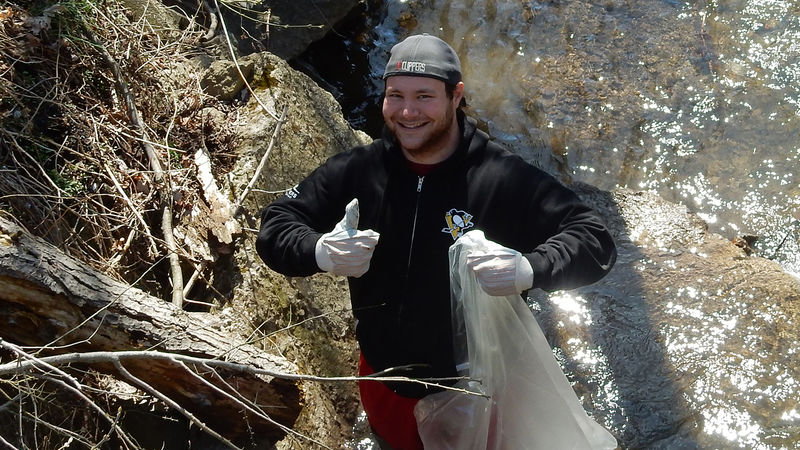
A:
(289, 37)
(306, 319)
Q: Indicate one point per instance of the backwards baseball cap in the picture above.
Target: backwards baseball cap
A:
(424, 55)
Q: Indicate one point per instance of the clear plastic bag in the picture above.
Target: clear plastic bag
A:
(528, 402)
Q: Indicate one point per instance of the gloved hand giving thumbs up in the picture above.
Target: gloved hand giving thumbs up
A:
(345, 250)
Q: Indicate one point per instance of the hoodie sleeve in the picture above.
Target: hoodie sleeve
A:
(524, 208)
(578, 249)
(292, 224)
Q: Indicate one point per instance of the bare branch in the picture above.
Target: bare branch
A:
(263, 162)
(247, 404)
(71, 384)
(162, 181)
(105, 357)
(153, 247)
(239, 69)
(171, 403)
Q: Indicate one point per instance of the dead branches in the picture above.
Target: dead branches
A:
(96, 138)
(163, 183)
(54, 304)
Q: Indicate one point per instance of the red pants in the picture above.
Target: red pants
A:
(391, 416)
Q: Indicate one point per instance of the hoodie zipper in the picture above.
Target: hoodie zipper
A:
(421, 178)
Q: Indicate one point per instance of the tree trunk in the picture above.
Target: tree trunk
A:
(48, 299)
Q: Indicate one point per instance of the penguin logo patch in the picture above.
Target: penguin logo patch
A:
(457, 222)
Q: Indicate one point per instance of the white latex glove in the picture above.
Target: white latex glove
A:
(345, 250)
(500, 270)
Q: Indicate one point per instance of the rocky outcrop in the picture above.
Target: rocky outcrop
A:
(283, 28)
(306, 319)
(298, 24)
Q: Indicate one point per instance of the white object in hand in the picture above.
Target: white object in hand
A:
(500, 270)
(345, 250)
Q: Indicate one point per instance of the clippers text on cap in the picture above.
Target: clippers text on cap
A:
(411, 66)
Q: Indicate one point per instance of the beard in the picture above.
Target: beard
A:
(435, 137)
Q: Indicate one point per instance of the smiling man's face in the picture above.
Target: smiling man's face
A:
(418, 111)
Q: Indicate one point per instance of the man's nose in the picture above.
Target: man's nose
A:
(410, 109)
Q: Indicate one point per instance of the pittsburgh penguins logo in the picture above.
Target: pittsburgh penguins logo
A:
(457, 222)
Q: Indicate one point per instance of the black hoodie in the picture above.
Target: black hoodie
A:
(402, 304)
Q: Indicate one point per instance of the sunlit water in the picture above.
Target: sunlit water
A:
(698, 102)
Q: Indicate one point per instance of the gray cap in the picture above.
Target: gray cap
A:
(424, 55)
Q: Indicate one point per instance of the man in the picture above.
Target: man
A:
(432, 177)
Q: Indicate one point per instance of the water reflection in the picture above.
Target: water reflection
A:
(699, 102)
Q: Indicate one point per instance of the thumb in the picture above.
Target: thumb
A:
(349, 222)
(351, 214)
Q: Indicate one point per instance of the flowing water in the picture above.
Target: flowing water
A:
(697, 102)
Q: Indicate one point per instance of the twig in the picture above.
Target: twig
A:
(8, 444)
(190, 284)
(198, 302)
(35, 163)
(236, 63)
(153, 247)
(64, 431)
(105, 357)
(112, 263)
(170, 402)
(162, 181)
(261, 164)
(244, 401)
(71, 384)
(174, 258)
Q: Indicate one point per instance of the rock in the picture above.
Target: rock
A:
(222, 78)
(287, 39)
(164, 21)
(314, 130)
(319, 334)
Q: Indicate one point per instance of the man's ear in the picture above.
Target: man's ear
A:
(458, 93)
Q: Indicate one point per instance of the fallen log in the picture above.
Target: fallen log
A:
(59, 305)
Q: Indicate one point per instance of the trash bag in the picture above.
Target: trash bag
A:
(520, 398)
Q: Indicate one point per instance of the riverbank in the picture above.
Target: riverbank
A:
(689, 342)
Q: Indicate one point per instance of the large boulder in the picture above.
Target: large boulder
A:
(308, 320)
(299, 23)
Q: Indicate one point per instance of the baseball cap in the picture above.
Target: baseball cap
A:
(424, 55)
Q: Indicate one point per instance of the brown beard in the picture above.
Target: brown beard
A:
(434, 143)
